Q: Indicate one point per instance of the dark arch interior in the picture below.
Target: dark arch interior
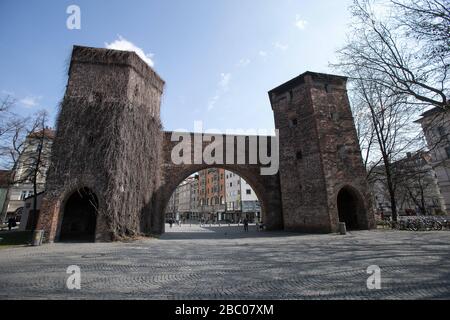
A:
(349, 204)
(80, 215)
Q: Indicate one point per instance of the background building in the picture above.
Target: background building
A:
(241, 199)
(5, 177)
(29, 218)
(183, 204)
(249, 202)
(194, 205)
(416, 187)
(212, 194)
(22, 186)
(172, 206)
(233, 196)
(436, 127)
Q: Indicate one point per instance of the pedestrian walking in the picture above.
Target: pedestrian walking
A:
(246, 225)
(11, 223)
(170, 223)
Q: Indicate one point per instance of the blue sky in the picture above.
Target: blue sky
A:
(218, 58)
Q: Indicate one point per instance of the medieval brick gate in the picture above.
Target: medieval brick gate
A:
(111, 174)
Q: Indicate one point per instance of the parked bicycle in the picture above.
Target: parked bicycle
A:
(416, 224)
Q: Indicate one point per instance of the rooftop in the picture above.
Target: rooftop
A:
(319, 77)
(47, 132)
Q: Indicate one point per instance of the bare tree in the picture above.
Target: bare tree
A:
(386, 134)
(397, 50)
(16, 154)
(6, 103)
(416, 183)
(393, 77)
(427, 21)
(13, 130)
(36, 155)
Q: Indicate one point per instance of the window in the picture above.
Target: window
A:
(25, 194)
(299, 155)
(293, 122)
(447, 150)
(249, 191)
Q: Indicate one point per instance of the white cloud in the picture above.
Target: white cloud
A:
(300, 23)
(30, 102)
(243, 62)
(124, 45)
(280, 46)
(224, 81)
(263, 53)
(222, 87)
(212, 102)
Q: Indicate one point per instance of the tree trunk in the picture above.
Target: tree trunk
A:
(390, 185)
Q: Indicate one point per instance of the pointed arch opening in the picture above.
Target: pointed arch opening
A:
(80, 216)
(351, 208)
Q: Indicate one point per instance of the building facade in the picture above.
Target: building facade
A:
(249, 202)
(5, 177)
(241, 199)
(436, 127)
(29, 218)
(416, 187)
(194, 204)
(22, 187)
(172, 207)
(212, 194)
(183, 204)
(233, 195)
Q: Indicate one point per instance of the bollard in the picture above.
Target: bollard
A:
(342, 228)
(38, 235)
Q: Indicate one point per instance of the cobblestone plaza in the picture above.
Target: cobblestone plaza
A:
(211, 262)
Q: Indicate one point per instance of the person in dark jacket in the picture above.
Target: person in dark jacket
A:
(11, 223)
(246, 225)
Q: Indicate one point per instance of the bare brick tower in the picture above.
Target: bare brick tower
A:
(322, 178)
(107, 150)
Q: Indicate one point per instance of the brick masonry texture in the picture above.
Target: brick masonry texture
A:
(110, 140)
(319, 153)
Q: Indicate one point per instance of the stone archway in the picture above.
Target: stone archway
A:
(350, 208)
(79, 216)
(266, 189)
(133, 173)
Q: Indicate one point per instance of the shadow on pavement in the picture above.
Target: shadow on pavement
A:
(194, 232)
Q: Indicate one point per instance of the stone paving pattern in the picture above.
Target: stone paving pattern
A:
(192, 262)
